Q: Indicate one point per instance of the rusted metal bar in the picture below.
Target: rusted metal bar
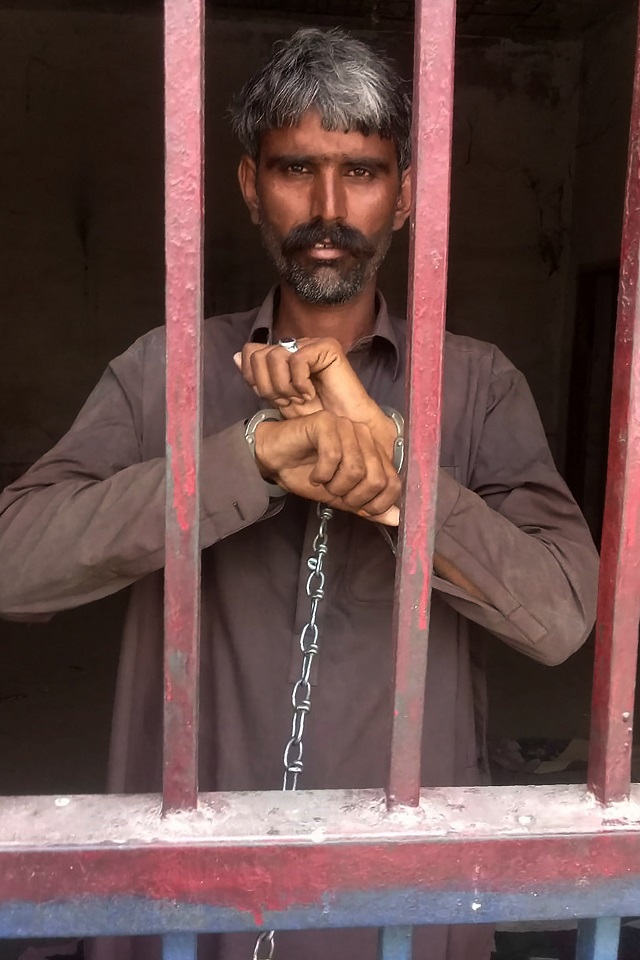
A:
(184, 198)
(98, 865)
(179, 946)
(395, 943)
(433, 109)
(619, 594)
(598, 939)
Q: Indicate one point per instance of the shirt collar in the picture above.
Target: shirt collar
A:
(383, 331)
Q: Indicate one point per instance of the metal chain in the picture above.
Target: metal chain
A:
(301, 694)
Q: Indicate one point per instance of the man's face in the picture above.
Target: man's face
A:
(327, 204)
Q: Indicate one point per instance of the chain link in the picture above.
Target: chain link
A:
(301, 695)
(265, 945)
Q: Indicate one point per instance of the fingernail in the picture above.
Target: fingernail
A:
(237, 359)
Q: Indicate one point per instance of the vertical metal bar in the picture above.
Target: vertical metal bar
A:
(598, 939)
(433, 109)
(395, 943)
(184, 203)
(619, 593)
(179, 946)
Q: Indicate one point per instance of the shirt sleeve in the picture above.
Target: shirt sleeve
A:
(89, 518)
(517, 534)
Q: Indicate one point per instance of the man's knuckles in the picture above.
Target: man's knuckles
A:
(279, 377)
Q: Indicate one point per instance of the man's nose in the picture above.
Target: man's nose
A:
(329, 199)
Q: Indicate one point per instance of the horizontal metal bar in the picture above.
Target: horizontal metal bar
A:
(598, 939)
(96, 865)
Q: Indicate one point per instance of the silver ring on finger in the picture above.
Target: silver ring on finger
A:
(290, 344)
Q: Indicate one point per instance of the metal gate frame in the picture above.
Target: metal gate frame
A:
(189, 862)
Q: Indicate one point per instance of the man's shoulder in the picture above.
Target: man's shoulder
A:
(469, 352)
(456, 345)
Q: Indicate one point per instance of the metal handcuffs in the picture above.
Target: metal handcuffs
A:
(290, 344)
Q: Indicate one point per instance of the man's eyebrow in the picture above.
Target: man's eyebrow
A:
(350, 160)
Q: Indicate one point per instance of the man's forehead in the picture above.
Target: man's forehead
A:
(309, 138)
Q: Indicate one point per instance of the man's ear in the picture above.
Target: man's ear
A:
(403, 204)
(247, 178)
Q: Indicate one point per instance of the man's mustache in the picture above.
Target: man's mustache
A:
(339, 235)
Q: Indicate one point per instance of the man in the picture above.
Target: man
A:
(325, 175)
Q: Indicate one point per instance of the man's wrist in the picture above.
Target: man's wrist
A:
(397, 450)
(255, 430)
(263, 461)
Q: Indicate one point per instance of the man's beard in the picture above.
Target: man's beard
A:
(326, 283)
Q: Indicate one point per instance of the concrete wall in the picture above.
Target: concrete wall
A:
(527, 699)
(600, 159)
(81, 222)
(515, 129)
(601, 148)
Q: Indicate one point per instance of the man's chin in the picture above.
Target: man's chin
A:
(323, 296)
(323, 285)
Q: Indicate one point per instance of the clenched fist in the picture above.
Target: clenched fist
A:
(333, 460)
(318, 376)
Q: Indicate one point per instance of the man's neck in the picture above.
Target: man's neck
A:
(347, 322)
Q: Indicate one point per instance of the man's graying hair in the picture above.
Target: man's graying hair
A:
(351, 86)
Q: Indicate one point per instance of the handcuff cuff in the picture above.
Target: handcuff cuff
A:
(272, 415)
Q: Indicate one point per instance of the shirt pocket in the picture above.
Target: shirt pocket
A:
(371, 564)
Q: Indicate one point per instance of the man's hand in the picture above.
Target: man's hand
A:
(333, 460)
(318, 376)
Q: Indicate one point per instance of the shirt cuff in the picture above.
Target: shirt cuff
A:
(234, 494)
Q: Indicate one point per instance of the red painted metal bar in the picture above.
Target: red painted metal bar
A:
(433, 109)
(619, 589)
(98, 865)
(184, 202)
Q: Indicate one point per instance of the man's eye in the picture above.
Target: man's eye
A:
(296, 168)
(361, 173)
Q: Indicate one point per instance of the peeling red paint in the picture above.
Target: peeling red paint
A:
(184, 201)
(260, 878)
(433, 110)
(616, 650)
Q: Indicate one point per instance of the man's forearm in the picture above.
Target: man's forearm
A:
(68, 540)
